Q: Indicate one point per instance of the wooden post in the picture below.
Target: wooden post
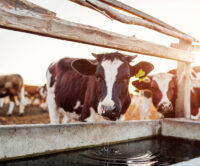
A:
(184, 84)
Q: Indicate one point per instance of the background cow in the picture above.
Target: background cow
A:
(163, 92)
(36, 95)
(160, 89)
(12, 86)
(6, 100)
(91, 90)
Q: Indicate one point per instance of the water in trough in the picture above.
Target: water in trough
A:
(160, 151)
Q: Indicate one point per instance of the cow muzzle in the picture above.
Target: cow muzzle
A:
(110, 112)
(165, 108)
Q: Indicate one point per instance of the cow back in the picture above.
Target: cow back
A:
(70, 86)
(11, 84)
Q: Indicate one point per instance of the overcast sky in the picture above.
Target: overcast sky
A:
(30, 55)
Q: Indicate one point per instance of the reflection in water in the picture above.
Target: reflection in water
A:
(160, 151)
(112, 156)
(143, 160)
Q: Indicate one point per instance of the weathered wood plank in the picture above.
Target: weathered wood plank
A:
(62, 29)
(114, 14)
(26, 7)
(184, 84)
(193, 47)
(136, 12)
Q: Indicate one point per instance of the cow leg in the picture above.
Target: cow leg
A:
(21, 101)
(1, 102)
(53, 114)
(44, 106)
(69, 117)
(65, 120)
(26, 101)
(94, 116)
(11, 106)
(121, 118)
(53, 111)
(41, 101)
(17, 100)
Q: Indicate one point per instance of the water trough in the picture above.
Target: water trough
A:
(22, 141)
(19, 141)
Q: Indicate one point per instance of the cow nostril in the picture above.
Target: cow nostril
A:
(108, 108)
(109, 112)
(165, 107)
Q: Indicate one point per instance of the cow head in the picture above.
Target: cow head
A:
(112, 72)
(163, 89)
(43, 91)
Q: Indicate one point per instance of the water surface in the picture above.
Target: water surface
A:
(160, 151)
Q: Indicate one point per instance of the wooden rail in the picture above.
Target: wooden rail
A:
(136, 12)
(193, 47)
(57, 28)
(103, 8)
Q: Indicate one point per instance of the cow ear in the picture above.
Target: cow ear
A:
(142, 85)
(98, 57)
(142, 69)
(129, 58)
(84, 66)
(173, 71)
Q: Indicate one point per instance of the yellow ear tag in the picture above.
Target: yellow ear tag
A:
(140, 75)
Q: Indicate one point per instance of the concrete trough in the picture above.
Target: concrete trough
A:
(20, 141)
(181, 128)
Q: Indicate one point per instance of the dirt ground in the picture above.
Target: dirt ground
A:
(32, 115)
(36, 115)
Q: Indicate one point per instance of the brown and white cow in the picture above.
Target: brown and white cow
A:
(163, 93)
(12, 86)
(36, 94)
(91, 91)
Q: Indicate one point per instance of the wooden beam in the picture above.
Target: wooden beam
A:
(114, 14)
(193, 47)
(26, 7)
(196, 48)
(62, 29)
(182, 108)
(131, 10)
